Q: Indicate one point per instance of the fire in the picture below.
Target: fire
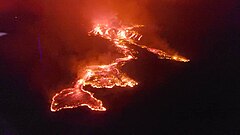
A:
(107, 76)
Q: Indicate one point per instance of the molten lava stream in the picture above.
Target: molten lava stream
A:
(106, 76)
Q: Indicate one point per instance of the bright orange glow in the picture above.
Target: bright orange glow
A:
(106, 76)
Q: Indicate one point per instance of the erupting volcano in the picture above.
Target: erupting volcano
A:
(122, 38)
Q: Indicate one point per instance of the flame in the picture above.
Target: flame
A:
(107, 76)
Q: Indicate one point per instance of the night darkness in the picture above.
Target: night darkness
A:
(47, 42)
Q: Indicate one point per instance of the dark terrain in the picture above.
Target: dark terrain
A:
(202, 97)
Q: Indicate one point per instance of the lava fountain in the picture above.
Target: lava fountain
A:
(107, 76)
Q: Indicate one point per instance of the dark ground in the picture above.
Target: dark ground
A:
(197, 98)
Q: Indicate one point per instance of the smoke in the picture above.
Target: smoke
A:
(63, 26)
(66, 23)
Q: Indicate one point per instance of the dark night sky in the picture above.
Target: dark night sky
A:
(196, 98)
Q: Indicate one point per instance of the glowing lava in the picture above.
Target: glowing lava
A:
(106, 76)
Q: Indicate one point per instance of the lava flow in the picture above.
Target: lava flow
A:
(107, 76)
